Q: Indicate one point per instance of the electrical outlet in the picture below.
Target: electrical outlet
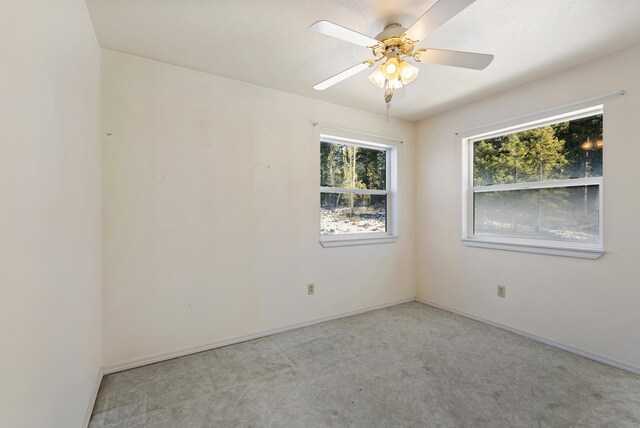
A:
(502, 291)
(311, 288)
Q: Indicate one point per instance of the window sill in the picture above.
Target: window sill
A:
(550, 249)
(349, 240)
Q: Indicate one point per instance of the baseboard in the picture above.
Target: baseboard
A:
(92, 401)
(550, 342)
(170, 355)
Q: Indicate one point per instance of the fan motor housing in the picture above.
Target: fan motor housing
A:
(391, 30)
(392, 43)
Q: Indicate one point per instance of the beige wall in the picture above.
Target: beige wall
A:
(210, 212)
(50, 351)
(588, 304)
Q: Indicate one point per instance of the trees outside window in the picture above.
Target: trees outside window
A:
(541, 182)
(353, 188)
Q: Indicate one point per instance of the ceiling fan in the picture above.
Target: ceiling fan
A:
(395, 44)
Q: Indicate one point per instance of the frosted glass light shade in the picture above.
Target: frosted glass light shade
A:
(391, 68)
(407, 72)
(395, 83)
(377, 78)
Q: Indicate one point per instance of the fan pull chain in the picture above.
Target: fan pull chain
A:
(388, 94)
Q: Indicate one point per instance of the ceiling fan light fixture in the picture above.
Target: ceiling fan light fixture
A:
(377, 77)
(395, 44)
(395, 83)
(391, 68)
(408, 72)
(587, 145)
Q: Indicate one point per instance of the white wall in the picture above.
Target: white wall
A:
(211, 216)
(49, 213)
(588, 304)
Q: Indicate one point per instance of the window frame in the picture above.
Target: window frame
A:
(364, 238)
(521, 244)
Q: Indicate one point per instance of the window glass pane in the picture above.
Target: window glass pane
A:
(565, 214)
(348, 213)
(352, 167)
(565, 150)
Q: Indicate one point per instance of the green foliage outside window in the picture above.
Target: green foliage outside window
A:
(566, 150)
(352, 167)
(363, 169)
(553, 152)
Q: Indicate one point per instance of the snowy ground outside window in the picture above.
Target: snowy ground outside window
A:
(364, 219)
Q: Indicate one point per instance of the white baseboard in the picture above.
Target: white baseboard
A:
(550, 342)
(169, 355)
(92, 401)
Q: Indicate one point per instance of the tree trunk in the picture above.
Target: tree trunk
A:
(352, 167)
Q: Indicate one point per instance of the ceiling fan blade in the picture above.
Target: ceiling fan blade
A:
(476, 61)
(437, 15)
(343, 75)
(335, 30)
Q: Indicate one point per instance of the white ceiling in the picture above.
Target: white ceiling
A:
(268, 43)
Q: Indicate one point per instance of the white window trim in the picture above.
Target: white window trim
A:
(529, 245)
(366, 238)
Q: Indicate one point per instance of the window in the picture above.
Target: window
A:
(355, 197)
(537, 187)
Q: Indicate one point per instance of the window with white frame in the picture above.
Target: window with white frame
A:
(355, 191)
(538, 187)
